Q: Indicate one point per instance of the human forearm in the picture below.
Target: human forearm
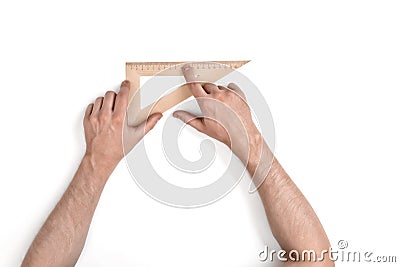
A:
(293, 222)
(61, 238)
(292, 219)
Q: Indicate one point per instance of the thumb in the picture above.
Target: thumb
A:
(149, 124)
(190, 119)
(234, 87)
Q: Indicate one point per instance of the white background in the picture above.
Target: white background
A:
(329, 71)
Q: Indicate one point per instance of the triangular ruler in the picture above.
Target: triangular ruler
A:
(205, 71)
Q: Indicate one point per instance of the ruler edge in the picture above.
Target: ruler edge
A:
(181, 62)
(175, 63)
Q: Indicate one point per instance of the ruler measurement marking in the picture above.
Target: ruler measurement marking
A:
(148, 67)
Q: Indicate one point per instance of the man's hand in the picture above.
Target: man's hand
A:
(105, 126)
(61, 238)
(226, 117)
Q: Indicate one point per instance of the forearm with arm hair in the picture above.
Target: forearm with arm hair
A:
(62, 237)
(293, 221)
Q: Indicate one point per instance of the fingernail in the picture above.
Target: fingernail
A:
(125, 83)
(186, 68)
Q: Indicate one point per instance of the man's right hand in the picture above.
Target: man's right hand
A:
(226, 117)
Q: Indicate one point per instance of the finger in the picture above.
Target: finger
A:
(108, 102)
(190, 119)
(88, 111)
(97, 105)
(121, 100)
(149, 124)
(210, 88)
(194, 87)
(234, 87)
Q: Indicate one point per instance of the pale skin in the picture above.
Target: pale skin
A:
(293, 222)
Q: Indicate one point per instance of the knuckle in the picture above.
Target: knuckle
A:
(230, 94)
(123, 90)
(219, 95)
(93, 119)
(118, 118)
(123, 95)
(98, 100)
(103, 116)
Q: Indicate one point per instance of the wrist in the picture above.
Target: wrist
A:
(256, 147)
(260, 158)
(97, 168)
